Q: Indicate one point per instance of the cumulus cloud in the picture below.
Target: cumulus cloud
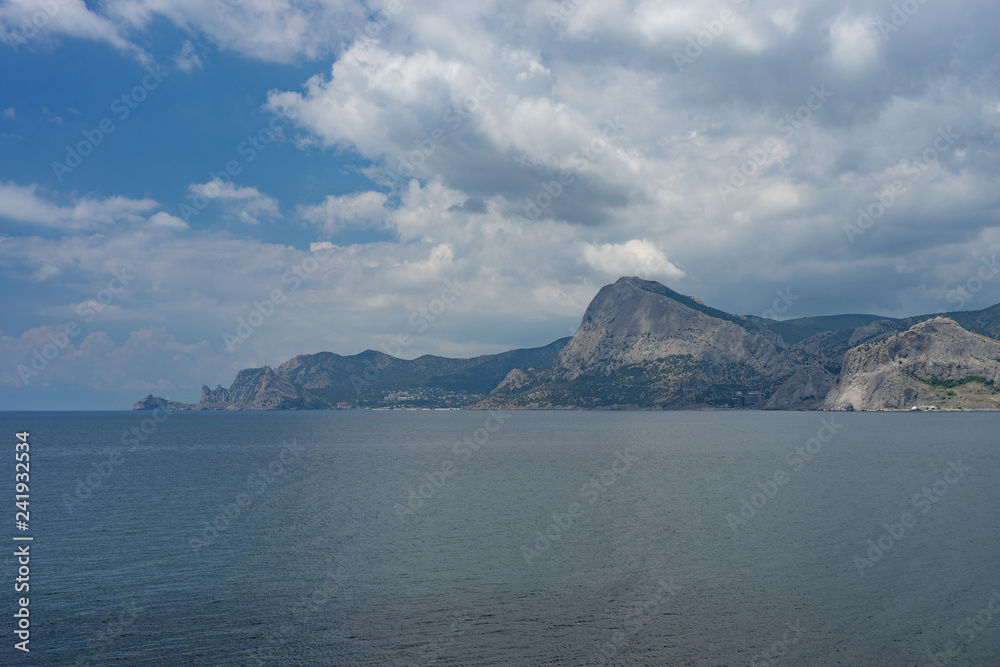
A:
(537, 156)
(774, 136)
(167, 221)
(24, 23)
(246, 204)
(337, 213)
(480, 128)
(635, 257)
(23, 204)
(48, 355)
(261, 29)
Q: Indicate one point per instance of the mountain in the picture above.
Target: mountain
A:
(642, 345)
(796, 330)
(369, 379)
(935, 362)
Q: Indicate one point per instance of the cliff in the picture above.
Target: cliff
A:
(643, 345)
(370, 379)
(935, 362)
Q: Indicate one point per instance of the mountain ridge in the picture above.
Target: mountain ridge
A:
(921, 366)
(326, 380)
(640, 344)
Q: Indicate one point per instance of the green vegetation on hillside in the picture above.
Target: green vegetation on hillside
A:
(949, 384)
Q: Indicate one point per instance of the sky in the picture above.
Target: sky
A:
(193, 187)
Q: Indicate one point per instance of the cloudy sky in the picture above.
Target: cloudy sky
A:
(188, 187)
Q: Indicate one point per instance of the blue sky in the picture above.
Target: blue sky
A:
(527, 151)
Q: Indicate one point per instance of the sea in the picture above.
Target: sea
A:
(506, 538)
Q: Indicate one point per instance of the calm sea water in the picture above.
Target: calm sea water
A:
(571, 538)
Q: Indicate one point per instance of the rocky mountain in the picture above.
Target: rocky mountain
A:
(935, 362)
(806, 388)
(634, 322)
(643, 345)
(369, 379)
(154, 403)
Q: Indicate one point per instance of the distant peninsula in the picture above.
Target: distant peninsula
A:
(643, 346)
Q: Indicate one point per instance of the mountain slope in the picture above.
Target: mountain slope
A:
(643, 345)
(934, 362)
(635, 321)
(368, 379)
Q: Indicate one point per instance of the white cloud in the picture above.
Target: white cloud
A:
(427, 211)
(246, 204)
(434, 118)
(8, 113)
(187, 59)
(337, 213)
(515, 105)
(23, 204)
(51, 116)
(167, 221)
(93, 361)
(25, 22)
(282, 30)
(44, 272)
(636, 257)
(852, 42)
(375, 100)
(525, 285)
